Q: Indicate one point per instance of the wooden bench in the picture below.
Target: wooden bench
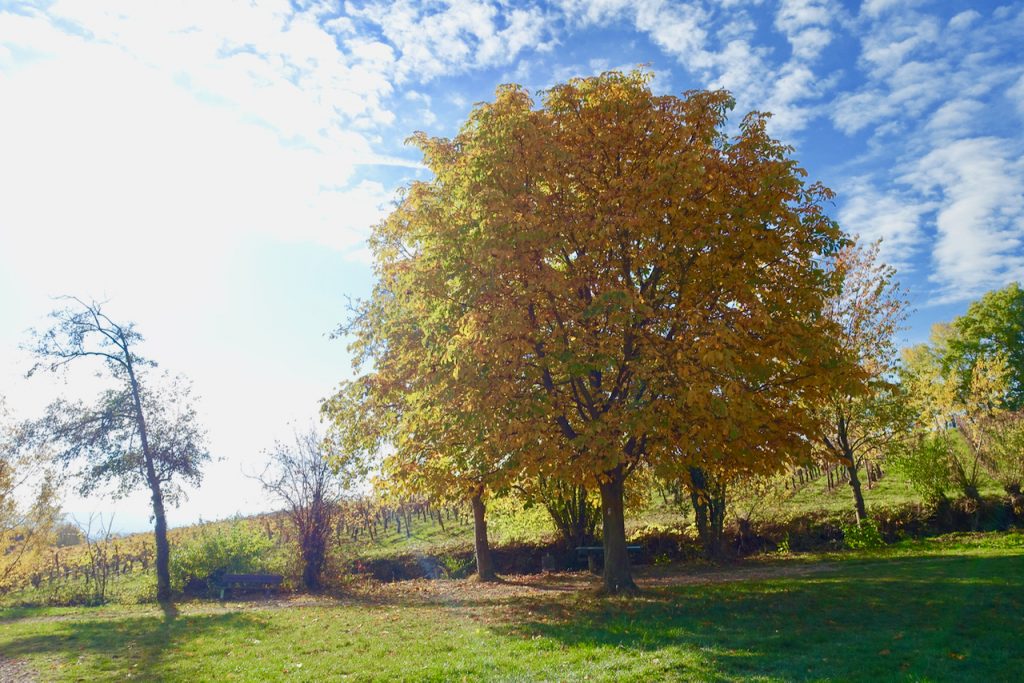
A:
(593, 552)
(264, 581)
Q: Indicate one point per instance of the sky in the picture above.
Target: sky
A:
(212, 169)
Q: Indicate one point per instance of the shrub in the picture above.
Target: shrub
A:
(925, 463)
(238, 548)
(783, 547)
(457, 567)
(862, 536)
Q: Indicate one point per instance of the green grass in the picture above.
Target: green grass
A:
(508, 523)
(890, 491)
(944, 609)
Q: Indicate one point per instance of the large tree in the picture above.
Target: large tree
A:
(143, 431)
(863, 416)
(610, 281)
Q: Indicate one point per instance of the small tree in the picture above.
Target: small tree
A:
(924, 462)
(97, 534)
(28, 501)
(140, 432)
(1004, 435)
(448, 457)
(861, 417)
(937, 394)
(300, 475)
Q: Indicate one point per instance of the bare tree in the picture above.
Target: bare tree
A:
(97, 546)
(300, 475)
(137, 432)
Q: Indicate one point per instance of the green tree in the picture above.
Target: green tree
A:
(993, 325)
(1003, 435)
(953, 420)
(142, 431)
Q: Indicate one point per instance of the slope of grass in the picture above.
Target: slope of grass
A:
(948, 609)
(890, 491)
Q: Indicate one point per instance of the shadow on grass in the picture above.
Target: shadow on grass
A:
(936, 618)
(148, 647)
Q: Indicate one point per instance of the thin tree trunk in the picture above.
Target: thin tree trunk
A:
(618, 577)
(858, 495)
(709, 503)
(850, 464)
(484, 561)
(163, 550)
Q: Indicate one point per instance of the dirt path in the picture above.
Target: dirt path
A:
(15, 671)
(464, 592)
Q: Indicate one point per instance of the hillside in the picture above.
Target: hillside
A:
(391, 542)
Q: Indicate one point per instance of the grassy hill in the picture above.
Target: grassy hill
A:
(450, 540)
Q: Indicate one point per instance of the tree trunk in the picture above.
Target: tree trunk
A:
(1016, 500)
(858, 496)
(163, 548)
(709, 505)
(484, 561)
(617, 575)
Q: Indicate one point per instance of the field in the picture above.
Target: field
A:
(943, 609)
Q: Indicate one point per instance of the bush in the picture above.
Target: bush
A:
(925, 463)
(239, 548)
(457, 567)
(862, 536)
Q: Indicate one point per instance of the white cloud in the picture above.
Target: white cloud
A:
(720, 49)
(1016, 95)
(191, 137)
(964, 19)
(594, 12)
(912, 63)
(453, 37)
(804, 23)
(893, 217)
(875, 8)
(955, 192)
(955, 115)
(979, 186)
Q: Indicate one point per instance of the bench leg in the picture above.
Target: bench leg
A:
(592, 564)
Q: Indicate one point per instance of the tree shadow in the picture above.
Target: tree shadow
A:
(170, 611)
(145, 647)
(937, 618)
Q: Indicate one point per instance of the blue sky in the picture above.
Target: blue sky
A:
(213, 168)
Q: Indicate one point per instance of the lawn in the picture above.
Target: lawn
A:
(946, 609)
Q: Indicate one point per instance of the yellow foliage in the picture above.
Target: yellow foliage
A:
(601, 283)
